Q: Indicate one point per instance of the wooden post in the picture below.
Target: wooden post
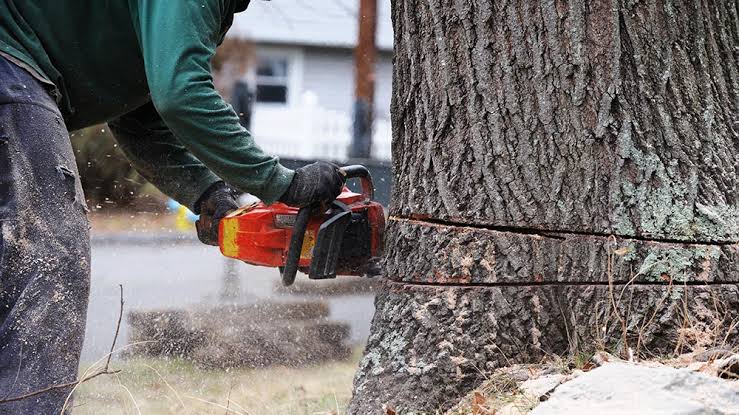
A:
(365, 55)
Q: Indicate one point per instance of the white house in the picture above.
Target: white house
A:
(304, 75)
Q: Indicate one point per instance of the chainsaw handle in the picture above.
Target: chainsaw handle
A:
(296, 245)
(304, 214)
(363, 174)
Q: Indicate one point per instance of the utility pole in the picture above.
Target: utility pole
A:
(364, 63)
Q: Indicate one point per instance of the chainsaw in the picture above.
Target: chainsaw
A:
(342, 240)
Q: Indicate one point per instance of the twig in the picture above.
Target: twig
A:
(624, 327)
(637, 275)
(213, 404)
(55, 387)
(130, 395)
(508, 362)
(85, 377)
(654, 314)
(732, 326)
(600, 332)
(228, 399)
(612, 300)
(177, 395)
(478, 371)
(686, 321)
(117, 329)
(573, 344)
(241, 407)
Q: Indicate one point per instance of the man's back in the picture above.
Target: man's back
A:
(143, 66)
(92, 49)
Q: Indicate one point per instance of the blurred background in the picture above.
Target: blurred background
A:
(310, 80)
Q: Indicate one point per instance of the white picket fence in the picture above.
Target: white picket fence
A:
(308, 131)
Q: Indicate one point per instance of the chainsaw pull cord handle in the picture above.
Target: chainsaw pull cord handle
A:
(296, 245)
(363, 174)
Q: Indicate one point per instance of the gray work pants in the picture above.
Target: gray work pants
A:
(44, 248)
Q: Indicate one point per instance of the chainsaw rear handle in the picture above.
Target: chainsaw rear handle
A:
(301, 221)
(361, 172)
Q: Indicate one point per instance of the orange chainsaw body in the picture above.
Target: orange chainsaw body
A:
(260, 234)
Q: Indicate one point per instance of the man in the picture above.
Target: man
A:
(143, 66)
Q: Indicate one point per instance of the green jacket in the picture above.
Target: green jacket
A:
(143, 66)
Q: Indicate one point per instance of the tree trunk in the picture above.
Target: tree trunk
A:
(565, 178)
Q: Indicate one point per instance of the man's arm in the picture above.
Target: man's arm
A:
(157, 155)
(178, 40)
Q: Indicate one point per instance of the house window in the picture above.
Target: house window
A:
(272, 80)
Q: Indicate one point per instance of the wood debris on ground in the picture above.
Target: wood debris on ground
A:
(249, 335)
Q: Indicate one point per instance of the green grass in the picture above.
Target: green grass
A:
(184, 389)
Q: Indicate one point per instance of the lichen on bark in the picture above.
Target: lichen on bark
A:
(612, 118)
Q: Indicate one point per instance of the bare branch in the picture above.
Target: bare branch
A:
(117, 329)
(86, 377)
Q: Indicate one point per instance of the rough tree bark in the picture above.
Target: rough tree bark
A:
(565, 178)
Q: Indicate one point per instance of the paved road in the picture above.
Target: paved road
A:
(158, 273)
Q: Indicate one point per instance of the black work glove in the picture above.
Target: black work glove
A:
(315, 184)
(215, 203)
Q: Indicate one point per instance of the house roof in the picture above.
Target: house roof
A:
(328, 23)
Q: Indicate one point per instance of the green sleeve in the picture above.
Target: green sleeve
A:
(178, 40)
(157, 155)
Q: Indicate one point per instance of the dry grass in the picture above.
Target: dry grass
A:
(709, 329)
(168, 387)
